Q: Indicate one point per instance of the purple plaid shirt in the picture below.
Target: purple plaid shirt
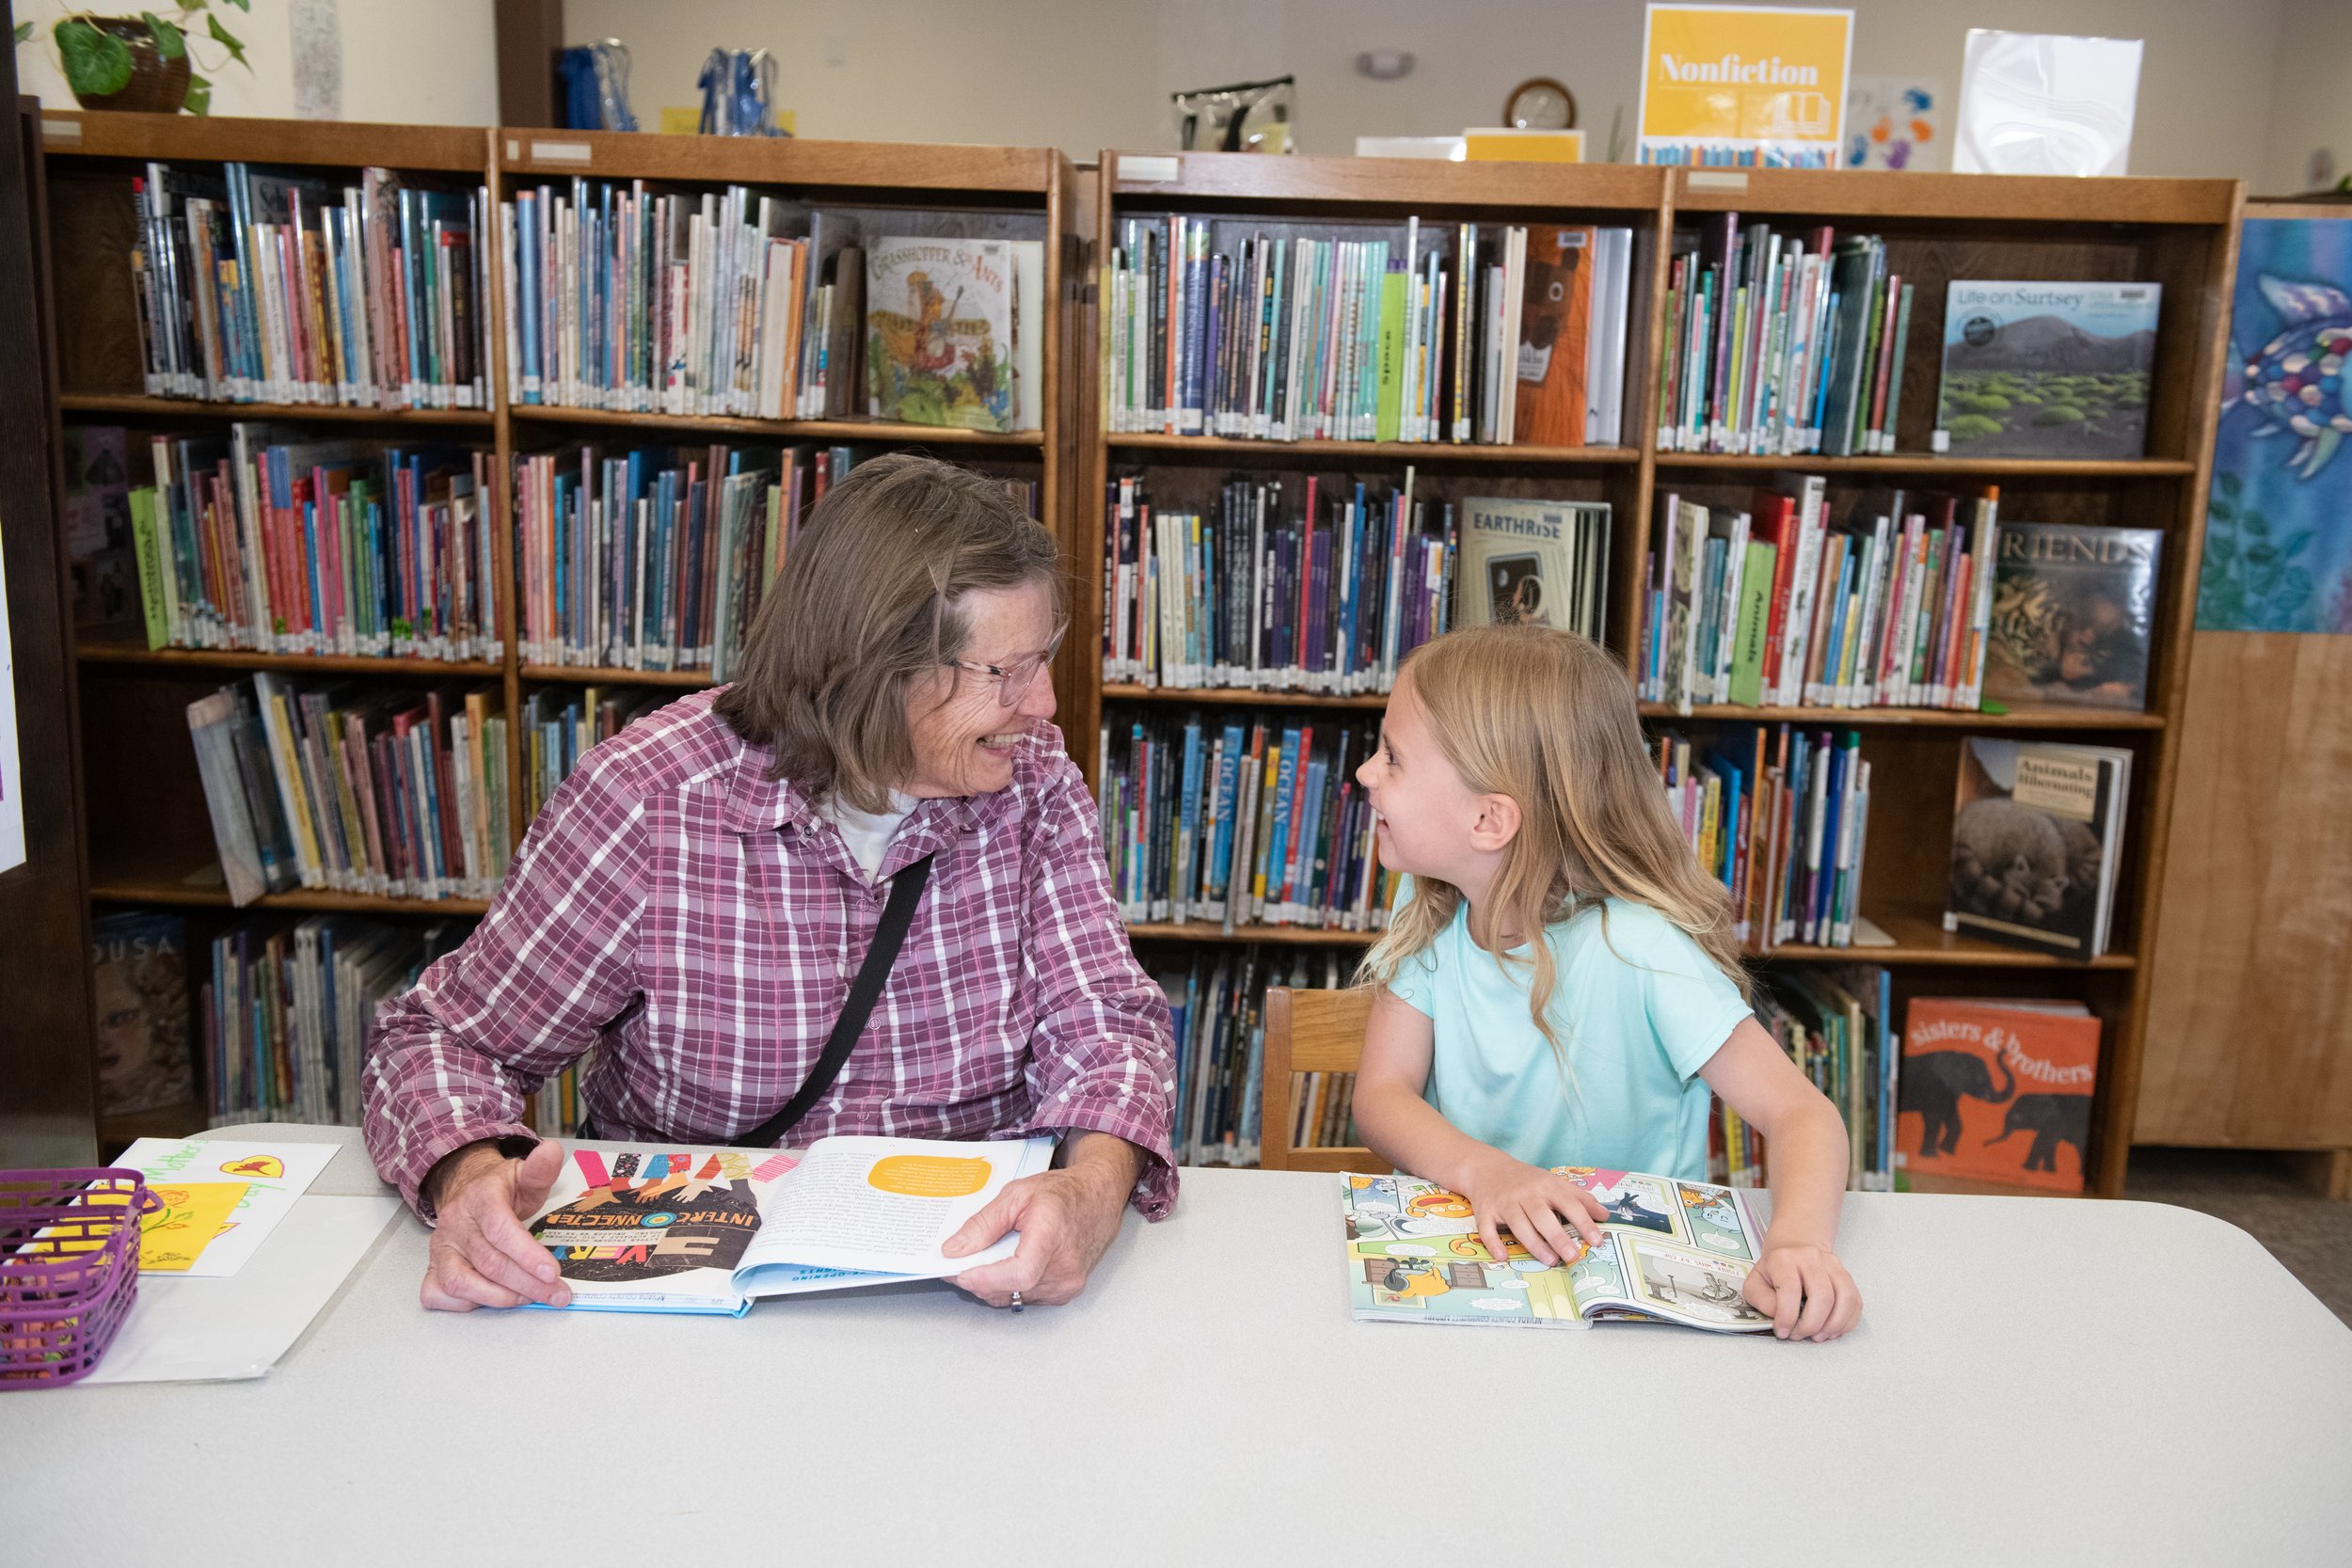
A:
(700, 923)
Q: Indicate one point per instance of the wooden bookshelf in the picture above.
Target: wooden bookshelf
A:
(150, 833)
(146, 808)
(2181, 234)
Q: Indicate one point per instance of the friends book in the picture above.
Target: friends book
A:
(709, 1231)
(1671, 1252)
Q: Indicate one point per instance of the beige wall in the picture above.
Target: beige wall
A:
(2311, 96)
(415, 62)
(1084, 74)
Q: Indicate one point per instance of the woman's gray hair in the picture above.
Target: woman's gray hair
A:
(868, 602)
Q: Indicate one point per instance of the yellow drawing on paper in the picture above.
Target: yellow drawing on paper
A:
(928, 1175)
(267, 1168)
(193, 1212)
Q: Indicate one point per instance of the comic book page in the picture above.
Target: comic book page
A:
(1670, 1252)
(1414, 1255)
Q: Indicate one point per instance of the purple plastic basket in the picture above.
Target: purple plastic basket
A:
(69, 1269)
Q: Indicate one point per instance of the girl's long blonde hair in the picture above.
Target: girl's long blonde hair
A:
(1546, 718)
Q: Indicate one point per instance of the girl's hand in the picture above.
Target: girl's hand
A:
(1804, 1290)
(1532, 1201)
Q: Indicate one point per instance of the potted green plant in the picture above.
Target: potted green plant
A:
(145, 63)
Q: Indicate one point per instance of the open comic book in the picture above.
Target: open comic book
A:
(666, 1230)
(1674, 1252)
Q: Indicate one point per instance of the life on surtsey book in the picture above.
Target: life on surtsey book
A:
(1670, 1252)
(660, 1229)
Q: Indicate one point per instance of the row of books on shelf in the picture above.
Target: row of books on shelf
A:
(266, 285)
(1910, 601)
(561, 725)
(657, 559)
(1770, 605)
(287, 1008)
(1322, 1111)
(276, 1010)
(1780, 817)
(1255, 823)
(1836, 1023)
(555, 1109)
(1217, 1001)
(271, 541)
(1330, 597)
(1783, 344)
(1778, 344)
(1271, 330)
(355, 789)
(738, 304)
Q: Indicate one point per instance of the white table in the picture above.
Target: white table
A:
(2035, 1381)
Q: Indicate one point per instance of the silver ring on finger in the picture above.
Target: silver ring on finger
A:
(1017, 1305)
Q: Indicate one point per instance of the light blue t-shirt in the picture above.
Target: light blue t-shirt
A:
(1640, 1012)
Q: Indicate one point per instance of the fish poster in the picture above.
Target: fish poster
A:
(2279, 521)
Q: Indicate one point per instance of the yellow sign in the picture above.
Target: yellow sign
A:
(1512, 145)
(1747, 86)
(685, 122)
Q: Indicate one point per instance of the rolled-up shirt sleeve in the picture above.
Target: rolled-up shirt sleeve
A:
(453, 1060)
(1102, 1052)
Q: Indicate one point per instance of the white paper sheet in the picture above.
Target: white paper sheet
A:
(183, 1330)
(12, 777)
(275, 1174)
(2044, 104)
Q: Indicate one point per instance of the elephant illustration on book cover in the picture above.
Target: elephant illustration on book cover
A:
(1978, 1075)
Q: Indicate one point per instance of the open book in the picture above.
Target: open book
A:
(1673, 1252)
(666, 1230)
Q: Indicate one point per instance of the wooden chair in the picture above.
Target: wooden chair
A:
(1308, 1031)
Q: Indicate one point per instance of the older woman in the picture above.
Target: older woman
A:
(696, 898)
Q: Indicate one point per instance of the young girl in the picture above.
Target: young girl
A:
(1510, 784)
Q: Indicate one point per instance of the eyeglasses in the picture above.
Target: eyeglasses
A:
(1014, 681)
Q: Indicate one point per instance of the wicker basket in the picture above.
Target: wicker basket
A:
(69, 1269)
(157, 85)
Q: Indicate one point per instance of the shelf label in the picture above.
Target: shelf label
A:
(1149, 169)
(1715, 180)
(60, 129)
(562, 152)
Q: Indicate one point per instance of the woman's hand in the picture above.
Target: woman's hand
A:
(1804, 1290)
(1066, 1219)
(481, 1255)
(1533, 1202)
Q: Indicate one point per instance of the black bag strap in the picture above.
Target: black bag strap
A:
(906, 890)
